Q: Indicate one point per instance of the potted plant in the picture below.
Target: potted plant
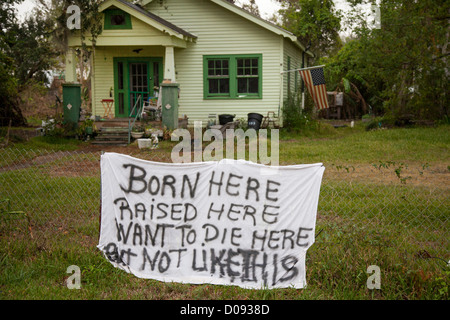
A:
(148, 130)
(137, 131)
(89, 126)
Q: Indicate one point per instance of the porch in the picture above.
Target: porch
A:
(123, 123)
(132, 57)
(118, 131)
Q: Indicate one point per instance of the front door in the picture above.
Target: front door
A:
(135, 81)
(139, 85)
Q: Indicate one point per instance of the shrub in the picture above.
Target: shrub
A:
(294, 118)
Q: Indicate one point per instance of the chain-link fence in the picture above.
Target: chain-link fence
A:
(47, 185)
(400, 207)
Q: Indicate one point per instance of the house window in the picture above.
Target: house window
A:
(219, 77)
(117, 19)
(247, 75)
(232, 77)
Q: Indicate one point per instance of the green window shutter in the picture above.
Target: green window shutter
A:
(232, 76)
(289, 75)
(116, 19)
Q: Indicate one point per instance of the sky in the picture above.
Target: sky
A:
(268, 7)
(25, 8)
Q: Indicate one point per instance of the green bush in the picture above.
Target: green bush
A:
(294, 118)
(386, 121)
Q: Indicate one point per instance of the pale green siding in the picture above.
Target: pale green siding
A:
(293, 54)
(220, 31)
(139, 29)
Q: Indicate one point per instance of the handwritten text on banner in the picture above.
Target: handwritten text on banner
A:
(230, 222)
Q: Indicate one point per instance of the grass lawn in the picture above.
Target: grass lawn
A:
(356, 146)
(384, 201)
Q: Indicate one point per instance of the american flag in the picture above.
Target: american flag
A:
(315, 82)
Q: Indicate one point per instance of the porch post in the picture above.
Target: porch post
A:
(71, 65)
(169, 105)
(169, 92)
(169, 65)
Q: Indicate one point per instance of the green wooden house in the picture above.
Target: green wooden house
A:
(223, 59)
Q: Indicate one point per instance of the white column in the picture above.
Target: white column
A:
(169, 66)
(71, 65)
(303, 100)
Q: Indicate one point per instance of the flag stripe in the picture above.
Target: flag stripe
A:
(318, 92)
(320, 95)
(311, 90)
(308, 80)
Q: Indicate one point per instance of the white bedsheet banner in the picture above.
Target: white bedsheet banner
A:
(231, 222)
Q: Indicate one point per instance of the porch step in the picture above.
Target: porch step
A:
(113, 132)
(112, 135)
(114, 129)
(110, 143)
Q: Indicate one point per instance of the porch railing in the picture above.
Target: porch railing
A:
(131, 125)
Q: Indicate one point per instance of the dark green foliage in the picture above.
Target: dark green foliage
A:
(400, 68)
(296, 119)
(31, 48)
(9, 109)
(315, 22)
(26, 53)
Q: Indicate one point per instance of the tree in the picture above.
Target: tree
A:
(91, 28)
(402, 67)
(29, 49)
(9, 109)
(252, 7)
(313, 21)
(32, 49)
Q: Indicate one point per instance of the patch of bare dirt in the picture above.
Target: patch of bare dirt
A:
(436, 176)
(76, 169)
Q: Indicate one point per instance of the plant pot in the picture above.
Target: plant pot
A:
(137, 135)
(254, 120)
(225, 118)
(88, 130)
